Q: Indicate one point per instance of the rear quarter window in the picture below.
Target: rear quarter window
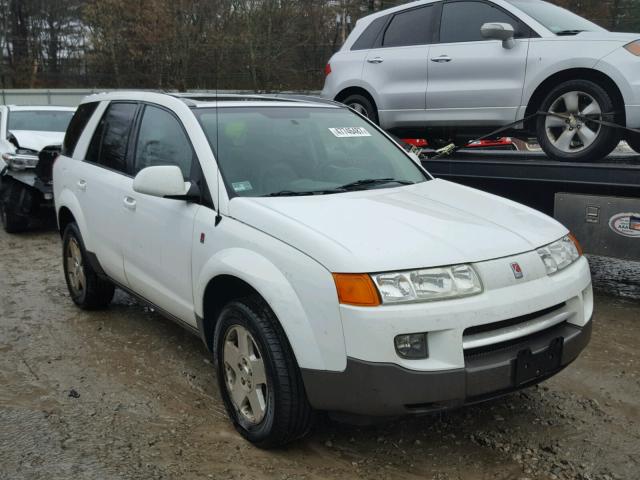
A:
(369, 37)
(77, 126)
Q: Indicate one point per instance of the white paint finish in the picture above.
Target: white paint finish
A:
(297, 288)
(445, 321)
(158, 240)
(160, 181)
(285, 248)
(426, 225)
(37, 140)
(34, 140)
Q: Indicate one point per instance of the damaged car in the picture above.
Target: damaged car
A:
(30, 139)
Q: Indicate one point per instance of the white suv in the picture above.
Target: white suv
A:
(464, 67)
(324, 268)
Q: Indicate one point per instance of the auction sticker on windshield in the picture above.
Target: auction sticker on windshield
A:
(242, 186)
(347, 132)
(626, 224)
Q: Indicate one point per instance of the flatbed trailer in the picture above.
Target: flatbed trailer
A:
(599, 201)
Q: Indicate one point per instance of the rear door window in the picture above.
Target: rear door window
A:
(462, 21)
(108, 146)
(411, 27)
(76, 127)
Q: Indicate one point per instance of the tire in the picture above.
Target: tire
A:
(363, 105)
(11, 222)
(574, 139)
(87, 289)
(282, 412)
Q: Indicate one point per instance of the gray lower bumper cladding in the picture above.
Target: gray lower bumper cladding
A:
(382, 389)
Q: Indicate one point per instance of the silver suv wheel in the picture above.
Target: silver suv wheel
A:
(571, 134)
(361, 109)
(245, 376)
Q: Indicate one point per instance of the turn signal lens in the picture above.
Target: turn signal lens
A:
(633, 47)
(575, 241)
(356, 289)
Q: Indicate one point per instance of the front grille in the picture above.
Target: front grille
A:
(497, 326)
(488, 327)
(515, 345)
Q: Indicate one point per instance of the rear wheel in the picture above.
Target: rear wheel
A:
(87, 289)
(363, 105)
(570, 133)
(258, 376)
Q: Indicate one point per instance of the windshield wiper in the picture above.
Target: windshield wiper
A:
(293, 193)
(374, 181)
(563, 33)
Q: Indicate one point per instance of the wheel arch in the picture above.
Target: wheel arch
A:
(65, 217)
(356, 91)
(593, 75)
(238, 272)
(68, 210)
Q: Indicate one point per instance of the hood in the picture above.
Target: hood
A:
(36, 140)
(430, 224)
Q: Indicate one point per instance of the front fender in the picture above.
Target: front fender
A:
(300, 292)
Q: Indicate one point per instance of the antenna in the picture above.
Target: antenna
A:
(218, 215)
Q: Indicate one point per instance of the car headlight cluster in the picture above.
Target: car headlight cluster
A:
(21, 160)
(428, 284)
(560, 254)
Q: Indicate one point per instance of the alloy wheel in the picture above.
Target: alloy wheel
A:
(568, 130)
(75, 267)
(361, 109)
(245, 375)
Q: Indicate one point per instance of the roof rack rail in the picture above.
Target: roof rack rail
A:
(192, 99)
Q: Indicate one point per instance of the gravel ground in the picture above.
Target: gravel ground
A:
(125, 393)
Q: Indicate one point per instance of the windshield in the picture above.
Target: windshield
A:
(40, 120)
(554, 18)
(285, 151)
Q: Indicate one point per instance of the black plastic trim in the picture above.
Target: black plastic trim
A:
(385, 389)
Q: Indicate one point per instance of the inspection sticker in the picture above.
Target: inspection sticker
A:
(348, 132)
(242, 186)
(626, 224)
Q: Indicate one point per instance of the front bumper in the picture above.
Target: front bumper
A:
(381, 389)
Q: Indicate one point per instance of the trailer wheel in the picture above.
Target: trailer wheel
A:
(11, 222)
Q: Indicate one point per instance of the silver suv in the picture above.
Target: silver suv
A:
(457, 67)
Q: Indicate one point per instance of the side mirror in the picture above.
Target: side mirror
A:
(499, 31)
(161, 181)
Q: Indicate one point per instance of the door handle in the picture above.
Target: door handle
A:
(82, 185)
(375, 60)
(129, 203)
(442, 59)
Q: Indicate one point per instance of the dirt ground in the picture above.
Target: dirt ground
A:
(125, 393)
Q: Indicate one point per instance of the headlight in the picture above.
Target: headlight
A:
(559, 255)
(427, 285)
(633, 47)
(20, 161)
